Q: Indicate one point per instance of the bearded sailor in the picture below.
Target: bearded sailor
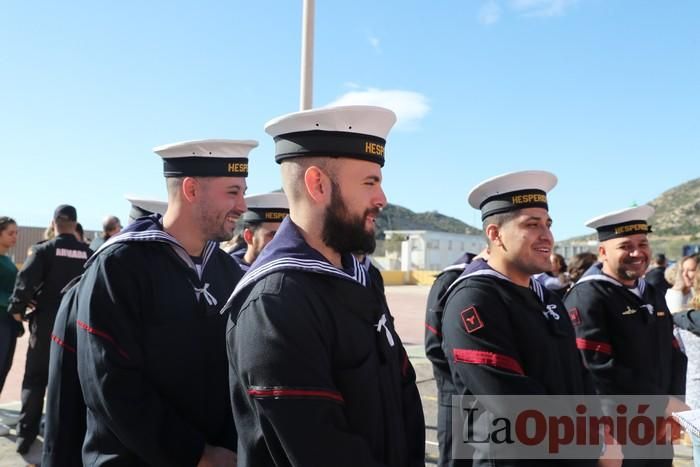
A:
(318, 374)
(150, 343)
(623, 328)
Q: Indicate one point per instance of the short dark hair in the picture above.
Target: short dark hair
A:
(5, 222)
(660, 259)
(499, 219)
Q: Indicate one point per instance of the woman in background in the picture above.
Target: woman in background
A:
(677, 297)
(9, 328)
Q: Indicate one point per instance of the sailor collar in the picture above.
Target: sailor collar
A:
(289, 251)
(150, 229)
(595, 273)
(482, 268)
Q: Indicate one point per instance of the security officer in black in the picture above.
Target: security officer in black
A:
(47, 271)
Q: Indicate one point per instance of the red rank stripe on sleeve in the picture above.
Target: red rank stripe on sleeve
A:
(472, 321)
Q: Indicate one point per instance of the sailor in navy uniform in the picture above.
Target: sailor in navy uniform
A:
(64, 421)
(318, 374)
(434, 353)
(259, 225)
(623, 327)
(52, 265)
(151, 347)
(503, 333)
(142, 207)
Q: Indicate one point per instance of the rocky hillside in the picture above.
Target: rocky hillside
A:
(678, 210)
(394, 217)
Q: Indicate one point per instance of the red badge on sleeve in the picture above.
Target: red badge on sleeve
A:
(575, 316)
(471, 319)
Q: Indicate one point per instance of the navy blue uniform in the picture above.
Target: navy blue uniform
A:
(504, 339)
(238, 256)
(47, 271)
(64, 429)
(626, 338)
(434, 352)
(151, 350)
(318, 374)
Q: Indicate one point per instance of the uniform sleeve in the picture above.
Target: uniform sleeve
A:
(433, 322)
(281, 355)
(593, 339)
(27, 282)
(479, 345)
(111, 369)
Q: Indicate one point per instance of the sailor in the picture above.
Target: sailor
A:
(64, 426)
(503, 333)
(623, 327)
(259, 225)
(151, 348)
(434, 352)
(318, 374)
(51, 266)
(142, 207)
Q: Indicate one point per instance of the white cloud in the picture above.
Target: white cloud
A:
(410, 107)
(541, 7)
(489, 13)
(374, 42)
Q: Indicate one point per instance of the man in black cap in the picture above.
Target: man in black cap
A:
(318, 374)
(259, 225)
(150, 333)
(624, 329)
(51, 266)
(503, 333)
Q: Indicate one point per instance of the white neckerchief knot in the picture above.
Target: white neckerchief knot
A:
(211, 300)
(382, 324)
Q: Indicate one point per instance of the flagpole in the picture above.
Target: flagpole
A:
(307, 55)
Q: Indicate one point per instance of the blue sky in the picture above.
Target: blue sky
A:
(604, 93)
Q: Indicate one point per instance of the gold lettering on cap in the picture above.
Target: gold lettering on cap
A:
(529, 198)
(374, 149)
(237, 167)
(623, 229)
(275, 216)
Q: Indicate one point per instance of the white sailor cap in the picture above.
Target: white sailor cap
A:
(206, 158)
(622, 223)
(512, 191)
(268, 207)
(141, 207)
(354, 131)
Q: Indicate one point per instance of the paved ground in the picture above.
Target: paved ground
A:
(408, 306)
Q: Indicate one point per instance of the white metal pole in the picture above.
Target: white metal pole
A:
(307, 55)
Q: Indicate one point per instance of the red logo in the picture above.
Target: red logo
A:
(575, 316)
(471, 320)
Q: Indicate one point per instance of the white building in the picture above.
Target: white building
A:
(427, 249)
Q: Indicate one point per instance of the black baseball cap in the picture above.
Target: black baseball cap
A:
(65, 212)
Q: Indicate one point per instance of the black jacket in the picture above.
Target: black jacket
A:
(151, 350)
(47, 271)
(503, 339)
(318, 374)
(626, 336)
